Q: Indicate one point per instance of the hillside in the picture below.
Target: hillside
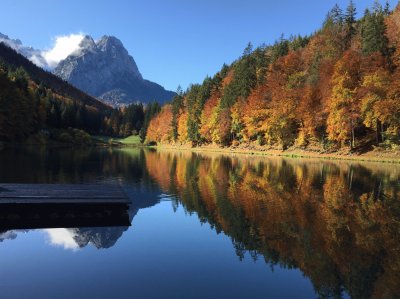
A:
(14, 60)
(336, 89)
(34, 101)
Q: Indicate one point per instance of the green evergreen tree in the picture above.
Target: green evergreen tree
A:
(245, 78)
(196, 98)
(177, 104)
(373, 31)
(350, 22)
(386, 10)
(337, 14)
(279, 49)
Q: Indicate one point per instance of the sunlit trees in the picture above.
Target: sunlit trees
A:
(206, 125)
(336, 88)
(373, 101)
(160, 127)
(343, 104)
(285, 82)
(182, 128)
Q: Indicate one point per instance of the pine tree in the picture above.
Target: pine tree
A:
(177, 104)
(350, 22)
(351, 11)
(386, 10)
(373, 31)
(334, 19)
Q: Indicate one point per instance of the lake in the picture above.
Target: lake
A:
(209, 226)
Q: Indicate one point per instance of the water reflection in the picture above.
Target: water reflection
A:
(337, 222)
(77, 238)
(104, 226)
(66, 165)
(74, 227)
(61, 237)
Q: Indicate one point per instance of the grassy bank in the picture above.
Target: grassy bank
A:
(376, 155)
(133, 140)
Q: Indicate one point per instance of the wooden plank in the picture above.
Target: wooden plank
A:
(62, 193)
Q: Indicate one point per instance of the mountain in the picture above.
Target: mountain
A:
(32, 54)
(105, 69)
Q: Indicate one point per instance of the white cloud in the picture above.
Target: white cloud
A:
(61, 237)
(64, 45)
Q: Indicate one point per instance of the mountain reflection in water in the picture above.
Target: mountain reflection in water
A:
(337, 222)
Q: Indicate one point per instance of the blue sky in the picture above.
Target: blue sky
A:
(173, 41)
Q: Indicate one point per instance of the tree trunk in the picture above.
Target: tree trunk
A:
(352, 143)
(378, 131)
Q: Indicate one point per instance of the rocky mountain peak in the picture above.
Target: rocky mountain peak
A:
(105, 69)
(113, 47)
(87, 43)
(107, 42)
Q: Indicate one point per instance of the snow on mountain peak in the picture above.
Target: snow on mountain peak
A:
(63, 46)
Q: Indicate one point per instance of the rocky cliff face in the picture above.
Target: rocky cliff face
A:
(105, 69)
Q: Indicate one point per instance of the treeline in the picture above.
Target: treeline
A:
(131, 120)
(27, 108)
(339, 87)
(33, 100)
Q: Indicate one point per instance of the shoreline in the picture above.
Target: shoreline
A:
(380, 156)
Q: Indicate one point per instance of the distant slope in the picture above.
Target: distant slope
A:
(33, 100)
(11, 58)
(105, 69)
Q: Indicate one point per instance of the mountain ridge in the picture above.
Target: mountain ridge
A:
(101, 68)
(32, 54)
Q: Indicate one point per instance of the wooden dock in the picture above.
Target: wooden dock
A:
(26, 206)
(62, 194)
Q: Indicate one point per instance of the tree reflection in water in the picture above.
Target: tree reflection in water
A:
(338, 222)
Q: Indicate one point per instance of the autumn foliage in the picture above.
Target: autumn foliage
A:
(339, 88)
(160, 127)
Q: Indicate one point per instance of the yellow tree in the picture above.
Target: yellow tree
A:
(160, 127)
(206, 115)
(182, 127)
(374, 98)
(342, 117)
(255, 113)
(343, 106)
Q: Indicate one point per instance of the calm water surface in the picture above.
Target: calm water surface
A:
(210, 226)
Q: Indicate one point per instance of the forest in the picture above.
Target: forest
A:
(338, 88)
(33, 101)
